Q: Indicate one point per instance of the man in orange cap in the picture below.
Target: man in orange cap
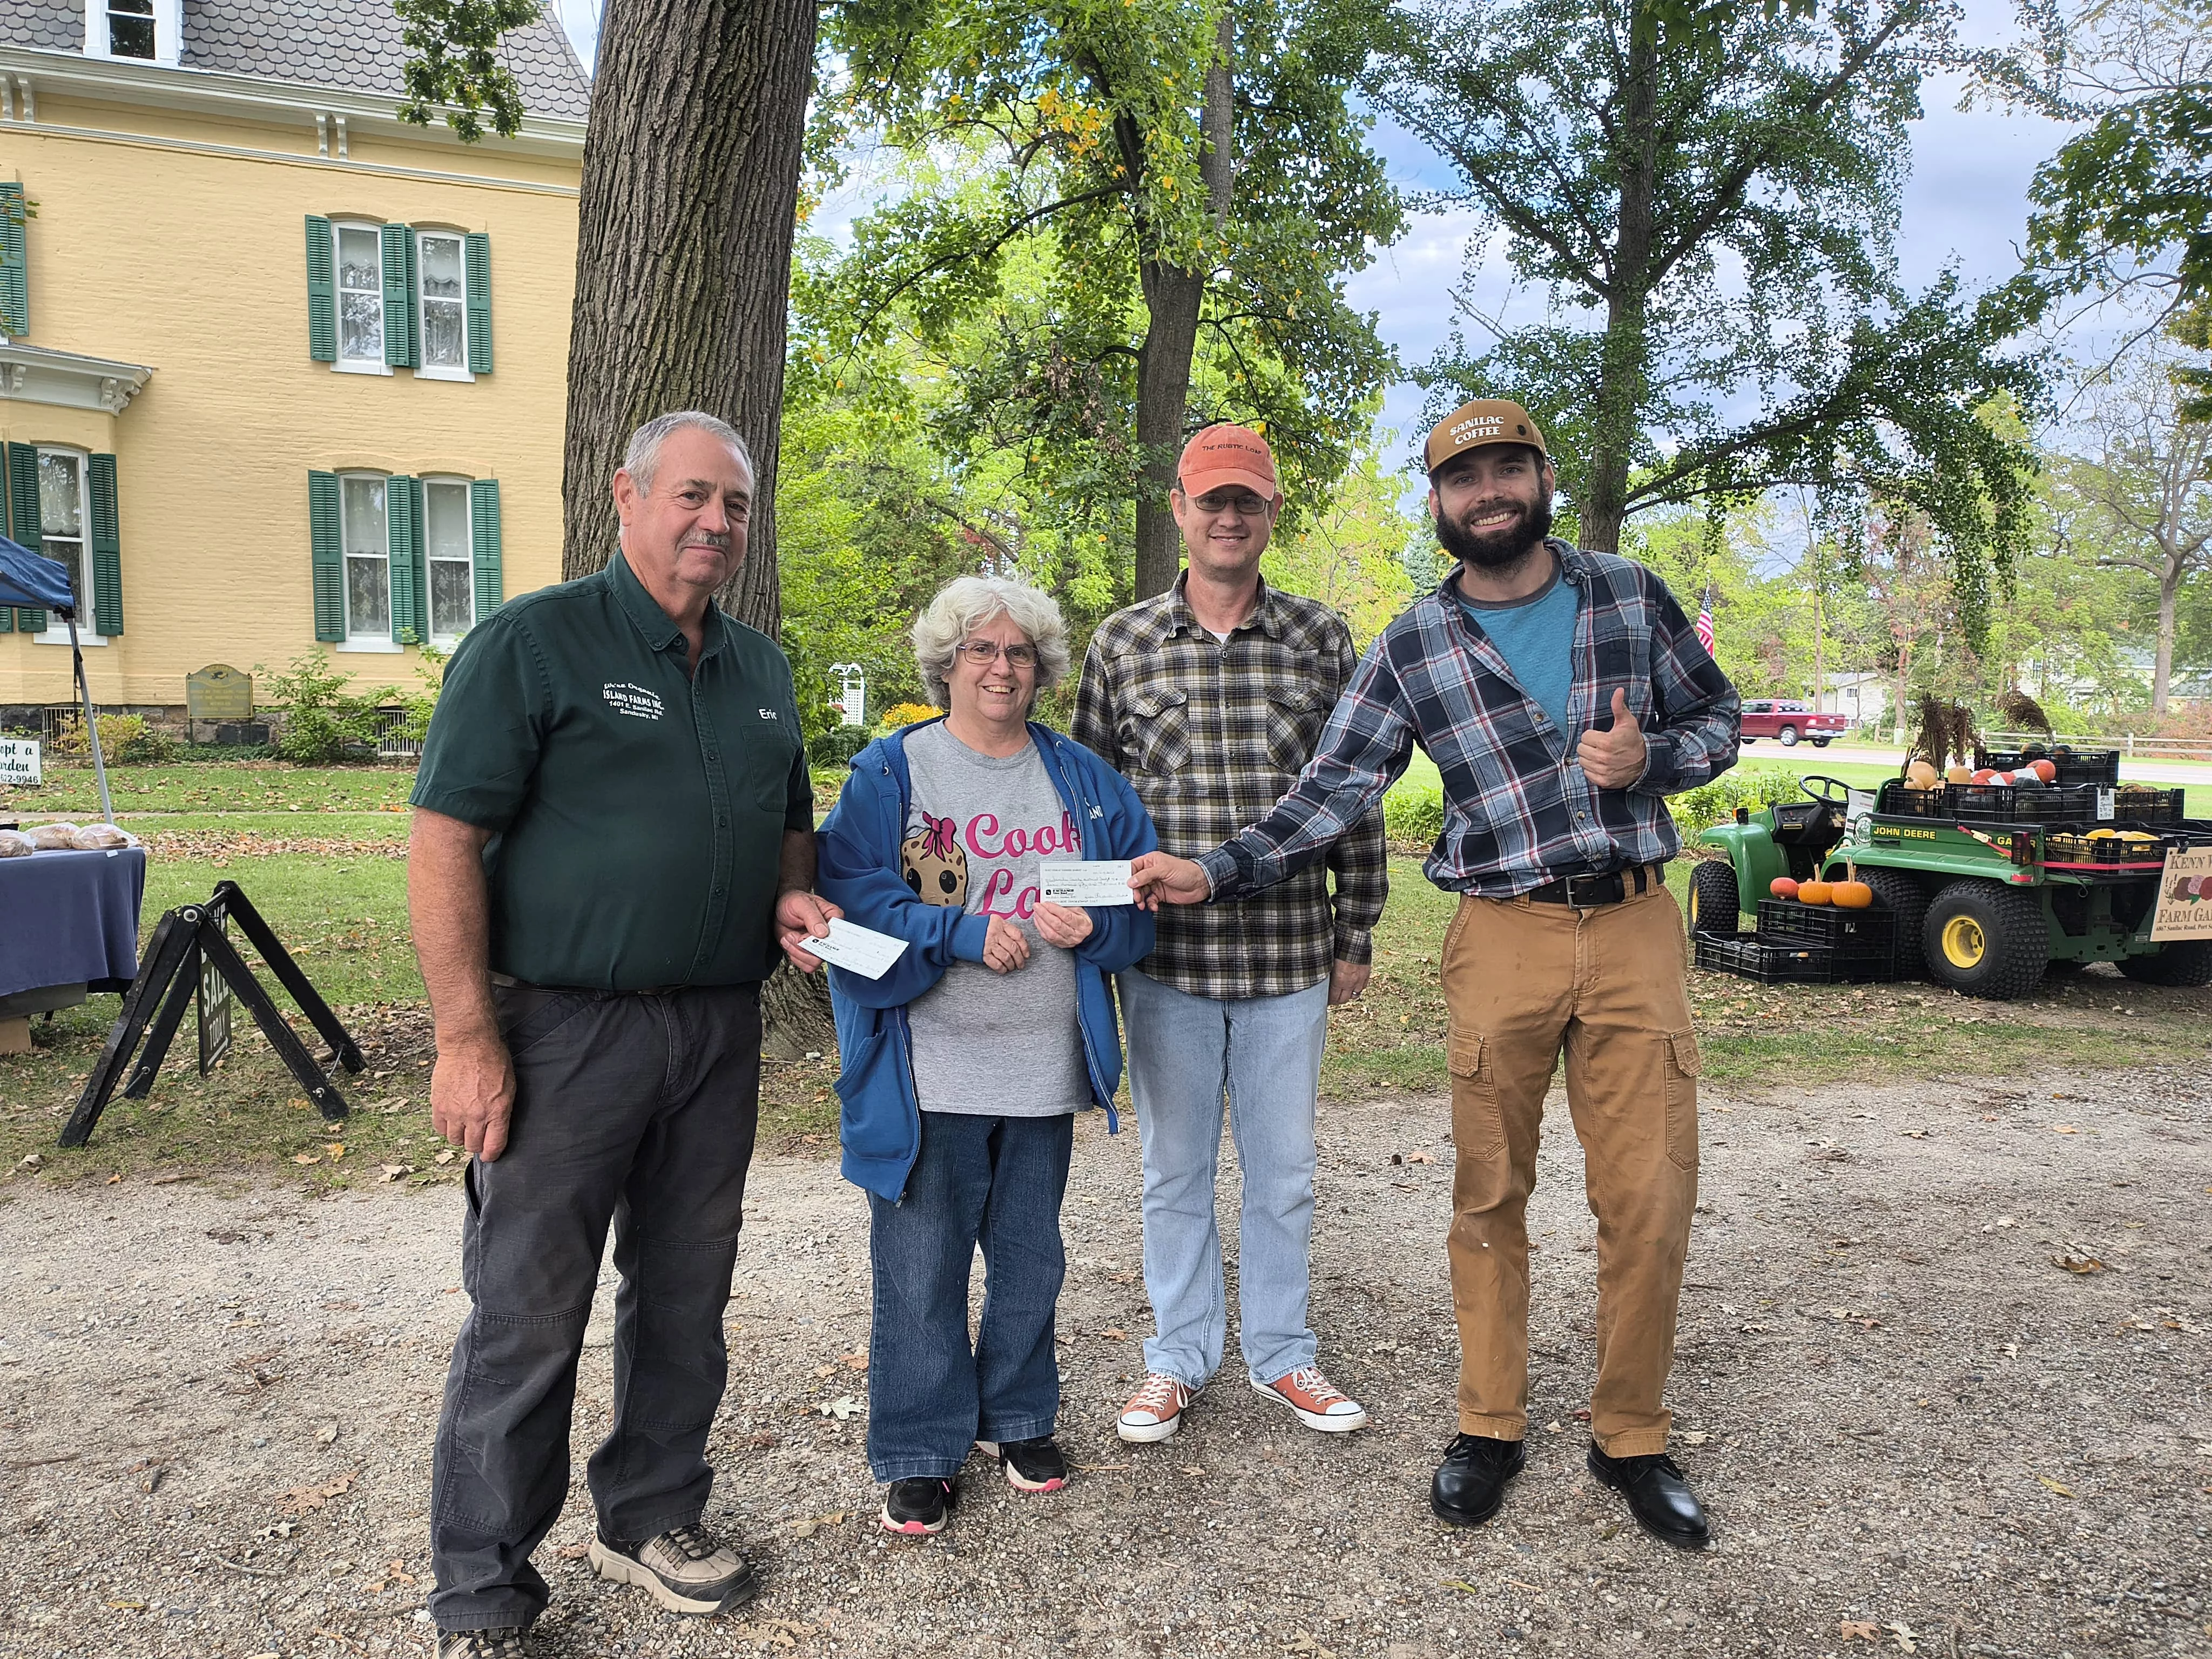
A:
(1210, 699)
(1563, 695)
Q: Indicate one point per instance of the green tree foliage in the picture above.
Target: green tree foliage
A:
(1198, 188)
(453, 66)
(1709, 197)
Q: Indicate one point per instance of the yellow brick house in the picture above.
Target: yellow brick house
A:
(276, 368)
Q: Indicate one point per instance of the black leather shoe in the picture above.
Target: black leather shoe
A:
(1470, 1482)
(1658, 1496)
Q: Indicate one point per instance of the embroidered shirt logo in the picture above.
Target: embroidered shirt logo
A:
(768, 713)
(632, 700)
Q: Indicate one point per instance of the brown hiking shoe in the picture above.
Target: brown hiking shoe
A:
(1155, 1411)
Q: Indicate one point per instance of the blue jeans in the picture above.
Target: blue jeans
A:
(996, 1181)
(1185, 1053)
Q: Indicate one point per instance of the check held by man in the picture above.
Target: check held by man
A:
(1563, 695)
(613, 833)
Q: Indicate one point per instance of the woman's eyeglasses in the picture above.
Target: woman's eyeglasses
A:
(984, 653)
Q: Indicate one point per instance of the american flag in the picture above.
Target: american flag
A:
(1705, 621)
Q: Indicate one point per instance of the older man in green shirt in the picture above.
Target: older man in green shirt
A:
(613, 837)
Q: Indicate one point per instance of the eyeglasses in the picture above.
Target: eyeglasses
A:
(1245, 505)
(984, 653)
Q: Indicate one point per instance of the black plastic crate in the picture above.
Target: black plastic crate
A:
(1899, 799)
(2136, 804)
(1793, 962)
(2066, 847)
(1825, 924)
(2075, 765)
(1997, 803)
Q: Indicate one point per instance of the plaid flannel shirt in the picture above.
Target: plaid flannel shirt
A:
(1210, 734)
(1518, 811)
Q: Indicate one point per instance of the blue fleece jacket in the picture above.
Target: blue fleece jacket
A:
(880, 1125)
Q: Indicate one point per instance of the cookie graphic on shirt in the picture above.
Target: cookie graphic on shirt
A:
(934, 865)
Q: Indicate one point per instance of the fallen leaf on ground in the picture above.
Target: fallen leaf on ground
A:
(1906, 1643)
(447, 1156)
(1421, 1157)
(301, 1499)
(1696, 1437)
(814, 1523)
(2064, 1129)
(2063, 1491)
(1461, 1584)
(573, 1552)
(857, 1362)
(306, 1157)
(2078, 1264)
(1115, 1334)
(394, 1171)
(337, 1150)
(128, 1606)
(842, 1406)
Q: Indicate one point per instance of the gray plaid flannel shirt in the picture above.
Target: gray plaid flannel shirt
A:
(1210, 735)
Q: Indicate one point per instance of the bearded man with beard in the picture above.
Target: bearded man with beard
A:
(1563, 695)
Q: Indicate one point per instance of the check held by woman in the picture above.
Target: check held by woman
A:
(966, 1061)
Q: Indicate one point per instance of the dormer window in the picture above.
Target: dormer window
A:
(130, 29)
(141, 31)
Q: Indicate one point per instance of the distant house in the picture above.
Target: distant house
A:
(1860, 698)
(275, 367)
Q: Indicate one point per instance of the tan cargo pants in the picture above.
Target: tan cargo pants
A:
(1521, 980)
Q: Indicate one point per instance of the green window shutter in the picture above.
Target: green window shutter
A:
(15, 264)
(402, 543)
(478, 255)
(106, 548)
(7, 618)
(329, 554)
(322, 292)
(484, 546)
(398, 250)
(23, 519)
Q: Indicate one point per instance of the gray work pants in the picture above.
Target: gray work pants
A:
(634, 1109)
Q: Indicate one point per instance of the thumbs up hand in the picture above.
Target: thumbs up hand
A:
(1613, 759)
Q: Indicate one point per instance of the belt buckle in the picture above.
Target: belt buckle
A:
(1575, 903)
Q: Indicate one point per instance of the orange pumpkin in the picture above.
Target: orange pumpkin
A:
(1814, 892)
(1851, 894)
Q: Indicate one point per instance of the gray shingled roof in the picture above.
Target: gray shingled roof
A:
(352, 44)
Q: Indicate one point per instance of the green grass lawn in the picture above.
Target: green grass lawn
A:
(316, 851)
(215, 786)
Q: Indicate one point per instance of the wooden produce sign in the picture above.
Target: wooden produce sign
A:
(2184, 896)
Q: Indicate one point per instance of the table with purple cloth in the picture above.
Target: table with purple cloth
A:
(71, 918)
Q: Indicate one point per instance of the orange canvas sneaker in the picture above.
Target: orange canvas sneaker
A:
(1155, 1411)
(1319, 1402)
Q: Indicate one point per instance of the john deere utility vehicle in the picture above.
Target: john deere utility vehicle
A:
(1990, 886)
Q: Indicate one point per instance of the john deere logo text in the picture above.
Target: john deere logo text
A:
(632, 700)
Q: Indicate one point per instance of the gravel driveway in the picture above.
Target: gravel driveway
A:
(1916, 1430)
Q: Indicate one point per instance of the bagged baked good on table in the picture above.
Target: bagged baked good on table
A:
(15, 844)
(52, 837)
(99, 837)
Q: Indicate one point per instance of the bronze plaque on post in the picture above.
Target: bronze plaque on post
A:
(218, 692)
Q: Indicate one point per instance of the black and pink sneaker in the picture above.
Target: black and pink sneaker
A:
(917, 1507)
(1030, 1465)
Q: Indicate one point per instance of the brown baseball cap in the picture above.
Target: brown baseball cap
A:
(1484, 420)
(1226, 455)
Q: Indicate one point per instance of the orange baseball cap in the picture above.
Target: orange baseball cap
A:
(1224, 455)
(1484, 420)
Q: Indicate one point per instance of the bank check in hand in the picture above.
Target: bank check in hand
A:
(1613, 759)
(1159, 878)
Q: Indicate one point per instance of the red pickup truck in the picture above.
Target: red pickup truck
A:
(1786, 722)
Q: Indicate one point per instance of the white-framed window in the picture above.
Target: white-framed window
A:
(144, 30)
(449, 551)
(442, 263)
(359, 264)
(365, 542)
(64, 512)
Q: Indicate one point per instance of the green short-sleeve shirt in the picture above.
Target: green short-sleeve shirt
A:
(637, 811)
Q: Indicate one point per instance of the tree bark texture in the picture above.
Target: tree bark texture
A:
(1624, 366)
(691, 191)
(1174, 297)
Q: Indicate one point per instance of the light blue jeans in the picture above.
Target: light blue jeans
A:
(1263, 1055)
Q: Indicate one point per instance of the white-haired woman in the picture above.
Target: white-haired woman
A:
(964, 1063)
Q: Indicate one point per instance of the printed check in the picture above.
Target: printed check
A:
(1084, 881)
(860, 950)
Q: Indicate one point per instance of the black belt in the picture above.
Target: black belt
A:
(507, 982)
(1586, 892)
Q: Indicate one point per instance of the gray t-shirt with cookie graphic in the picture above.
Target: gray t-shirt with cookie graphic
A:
(1002, 1045)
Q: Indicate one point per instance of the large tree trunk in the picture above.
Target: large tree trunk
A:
(1173, 299)
(1618, 406)
(683, 251)
(690, 193)
(2169, 593)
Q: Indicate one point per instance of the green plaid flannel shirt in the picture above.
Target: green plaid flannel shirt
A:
(1210, 735)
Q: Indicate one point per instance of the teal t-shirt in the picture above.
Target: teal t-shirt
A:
(1536, 637)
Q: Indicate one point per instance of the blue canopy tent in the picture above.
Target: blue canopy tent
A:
(32, 579)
